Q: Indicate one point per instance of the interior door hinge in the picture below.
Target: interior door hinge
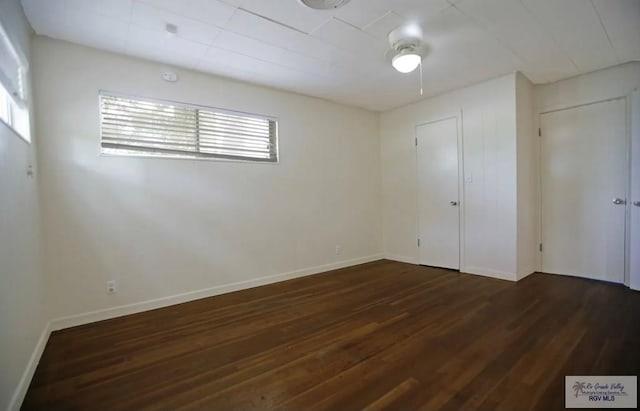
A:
(418, 242)
(540, 247)
(539, 132)
(416, 141)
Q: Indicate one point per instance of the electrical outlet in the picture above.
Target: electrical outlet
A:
(338, 250)
(111, 287)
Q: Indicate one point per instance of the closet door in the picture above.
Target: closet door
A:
(438, 203)
(584, 175)
(634, 235)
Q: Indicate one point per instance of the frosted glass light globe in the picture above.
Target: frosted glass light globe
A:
(405, 62)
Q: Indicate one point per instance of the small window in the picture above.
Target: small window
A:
(132, 126)
(14, 110)
(5, 106)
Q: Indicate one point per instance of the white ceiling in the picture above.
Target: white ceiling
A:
(340, 54)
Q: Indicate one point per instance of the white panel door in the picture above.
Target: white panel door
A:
(438, 215)
(634, 267)
(584, 171)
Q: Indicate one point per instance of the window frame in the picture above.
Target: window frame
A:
(20, 102)
(186, 156)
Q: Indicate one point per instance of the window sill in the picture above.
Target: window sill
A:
(178, 157)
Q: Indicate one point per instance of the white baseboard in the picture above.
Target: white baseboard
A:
(525, 274)
(465, 270)
(401, 258)
(27, 375)
(119, 311)
(491, 273)
(99, 315)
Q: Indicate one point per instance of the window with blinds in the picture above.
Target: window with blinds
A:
(132, 126)
(14, 109)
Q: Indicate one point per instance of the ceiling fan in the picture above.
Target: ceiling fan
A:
(324, 4)
(407, 44)
(407, 48)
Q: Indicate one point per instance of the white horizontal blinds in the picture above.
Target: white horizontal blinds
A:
(131, 126)
(12, 69)
(236, 136)
(147, 127)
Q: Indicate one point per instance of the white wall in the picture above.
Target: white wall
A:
(488, 112)
(528, 164)
(618, 81)
(163, 227)
(21, 282)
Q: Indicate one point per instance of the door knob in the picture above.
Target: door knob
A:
(453, 203)
(618, 201)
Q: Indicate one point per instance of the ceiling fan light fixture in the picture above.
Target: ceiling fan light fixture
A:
(324, 4)
(406, 61)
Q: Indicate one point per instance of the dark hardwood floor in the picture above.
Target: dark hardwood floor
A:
(383, 335)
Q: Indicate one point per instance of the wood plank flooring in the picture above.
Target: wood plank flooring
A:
(383, 335)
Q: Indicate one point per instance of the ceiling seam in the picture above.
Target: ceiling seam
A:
(315, 29)
(357, 28)
(605, 31)
(184, 16)
(235, 10)
(550, 32)
(273, 21)
(371, 23)
(211, 45)
(297, 31)
(521, 59)
(346, 22)
(178, 35)
(164, 47)
(309, 56)
(315, 74)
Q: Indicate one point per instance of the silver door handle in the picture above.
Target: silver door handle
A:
(619, 201)
(453, 203)
(636, 203)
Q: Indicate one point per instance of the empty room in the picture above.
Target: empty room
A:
(319, 204)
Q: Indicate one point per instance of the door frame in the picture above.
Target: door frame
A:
(458, 116)
(627, 185)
